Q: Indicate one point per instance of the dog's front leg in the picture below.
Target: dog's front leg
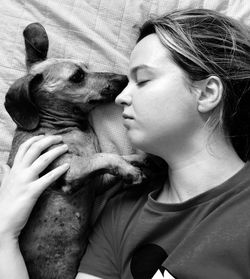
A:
(101, 163)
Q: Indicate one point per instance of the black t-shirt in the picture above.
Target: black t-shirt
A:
(205, 237)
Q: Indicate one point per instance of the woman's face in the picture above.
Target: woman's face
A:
(159, 109)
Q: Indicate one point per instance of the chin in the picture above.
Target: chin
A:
(141, 143)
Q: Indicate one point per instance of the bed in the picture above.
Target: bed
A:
(101, 33)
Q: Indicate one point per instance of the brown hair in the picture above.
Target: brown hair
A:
(204, 43)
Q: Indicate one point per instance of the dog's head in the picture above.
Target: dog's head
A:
(56, 90)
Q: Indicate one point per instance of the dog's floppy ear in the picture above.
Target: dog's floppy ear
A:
(19, 104)
(36, 43)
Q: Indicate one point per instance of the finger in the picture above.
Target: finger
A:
(5, 171)
(42, 162)
(46, 180)
(25, 146)
(38, 147)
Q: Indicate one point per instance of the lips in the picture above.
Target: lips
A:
(127, 116)
(127, 120)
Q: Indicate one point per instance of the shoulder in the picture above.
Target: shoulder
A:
(123, 209)
(128, 200)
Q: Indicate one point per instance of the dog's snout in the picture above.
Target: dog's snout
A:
(106, 90)
(120, 81)
(115, 85)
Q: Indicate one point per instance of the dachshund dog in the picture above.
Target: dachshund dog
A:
(55, 97)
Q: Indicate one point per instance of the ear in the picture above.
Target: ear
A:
(19, 104)
(210, 92)
(36, 43)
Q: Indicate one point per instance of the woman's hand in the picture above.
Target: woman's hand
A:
(21, 185)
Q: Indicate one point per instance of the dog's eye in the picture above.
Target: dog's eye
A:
(78, 76)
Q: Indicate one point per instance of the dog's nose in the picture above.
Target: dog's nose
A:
(116, 83)
(120, 81)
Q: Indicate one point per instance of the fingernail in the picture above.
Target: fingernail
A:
(65, 166)
(65, 146)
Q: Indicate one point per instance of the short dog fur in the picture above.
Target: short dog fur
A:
(55, 97)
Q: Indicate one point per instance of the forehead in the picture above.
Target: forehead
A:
(151, 52)
(57, 66)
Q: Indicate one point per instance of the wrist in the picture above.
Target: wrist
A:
(7, 230)
(7, 239)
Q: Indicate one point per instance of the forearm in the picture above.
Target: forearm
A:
(20, 188)
(12, 265)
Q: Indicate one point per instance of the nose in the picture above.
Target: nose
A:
(124, 98)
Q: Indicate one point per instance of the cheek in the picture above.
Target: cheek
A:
(148, 123)
(156, 108)
(163, 117)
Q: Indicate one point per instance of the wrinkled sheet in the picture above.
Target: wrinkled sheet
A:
(101, 33)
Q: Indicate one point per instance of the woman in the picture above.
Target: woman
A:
(187, 102)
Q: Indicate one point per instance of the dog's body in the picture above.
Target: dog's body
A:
(55, 97)
(54, 238)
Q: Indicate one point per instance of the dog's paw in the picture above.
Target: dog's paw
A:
(126, 170)
(134, 176)
(151, 167)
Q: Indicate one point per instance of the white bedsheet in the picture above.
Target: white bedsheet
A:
(99, 32)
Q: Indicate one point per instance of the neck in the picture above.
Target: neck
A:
(199, 170)
(57, 120)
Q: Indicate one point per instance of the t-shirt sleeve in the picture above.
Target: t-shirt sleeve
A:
(100, 259)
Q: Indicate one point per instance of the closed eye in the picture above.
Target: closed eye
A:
(78, 76)
(141, 83)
